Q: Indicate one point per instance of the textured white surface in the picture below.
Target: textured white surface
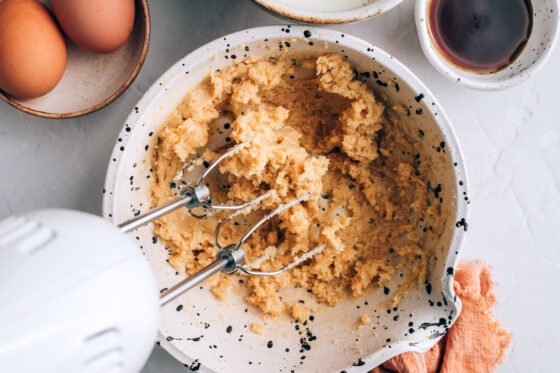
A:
(511, 141)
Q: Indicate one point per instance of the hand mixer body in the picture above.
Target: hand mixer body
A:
(76, 295)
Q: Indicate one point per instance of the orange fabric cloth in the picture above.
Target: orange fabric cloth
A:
(475, 342)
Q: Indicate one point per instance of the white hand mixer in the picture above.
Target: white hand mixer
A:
(76, 294)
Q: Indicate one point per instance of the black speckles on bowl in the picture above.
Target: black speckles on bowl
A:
(212, 335)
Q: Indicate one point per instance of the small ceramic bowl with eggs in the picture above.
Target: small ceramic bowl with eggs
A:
(327, 11)
(68, 58)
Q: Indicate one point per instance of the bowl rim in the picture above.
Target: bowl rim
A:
(135, 71)
(456, 156)
(313, 17)
(457, 76)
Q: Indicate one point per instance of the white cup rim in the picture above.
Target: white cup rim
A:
(362, 13)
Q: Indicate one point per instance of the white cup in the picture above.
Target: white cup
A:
(327, 11)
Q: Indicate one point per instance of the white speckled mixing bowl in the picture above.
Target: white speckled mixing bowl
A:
(197, 332)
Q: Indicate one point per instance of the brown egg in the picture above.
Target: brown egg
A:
(32, 49)
(100, 26)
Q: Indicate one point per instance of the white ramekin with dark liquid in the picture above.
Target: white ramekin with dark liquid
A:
(487, 44)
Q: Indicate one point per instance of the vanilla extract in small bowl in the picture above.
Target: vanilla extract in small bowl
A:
(481, 36)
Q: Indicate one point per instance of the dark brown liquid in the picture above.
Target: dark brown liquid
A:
(480, 35)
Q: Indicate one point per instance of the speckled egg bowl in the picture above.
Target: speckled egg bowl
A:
(333, 13)
(532, 58)
(214, 336)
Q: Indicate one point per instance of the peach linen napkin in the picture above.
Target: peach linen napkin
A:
(475, 343)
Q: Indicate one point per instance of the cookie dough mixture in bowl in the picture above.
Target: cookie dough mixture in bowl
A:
(312, 128)
(326, 115)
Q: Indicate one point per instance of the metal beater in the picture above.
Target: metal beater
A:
(230, 257)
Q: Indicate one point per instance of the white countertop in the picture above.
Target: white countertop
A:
(511, 141)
